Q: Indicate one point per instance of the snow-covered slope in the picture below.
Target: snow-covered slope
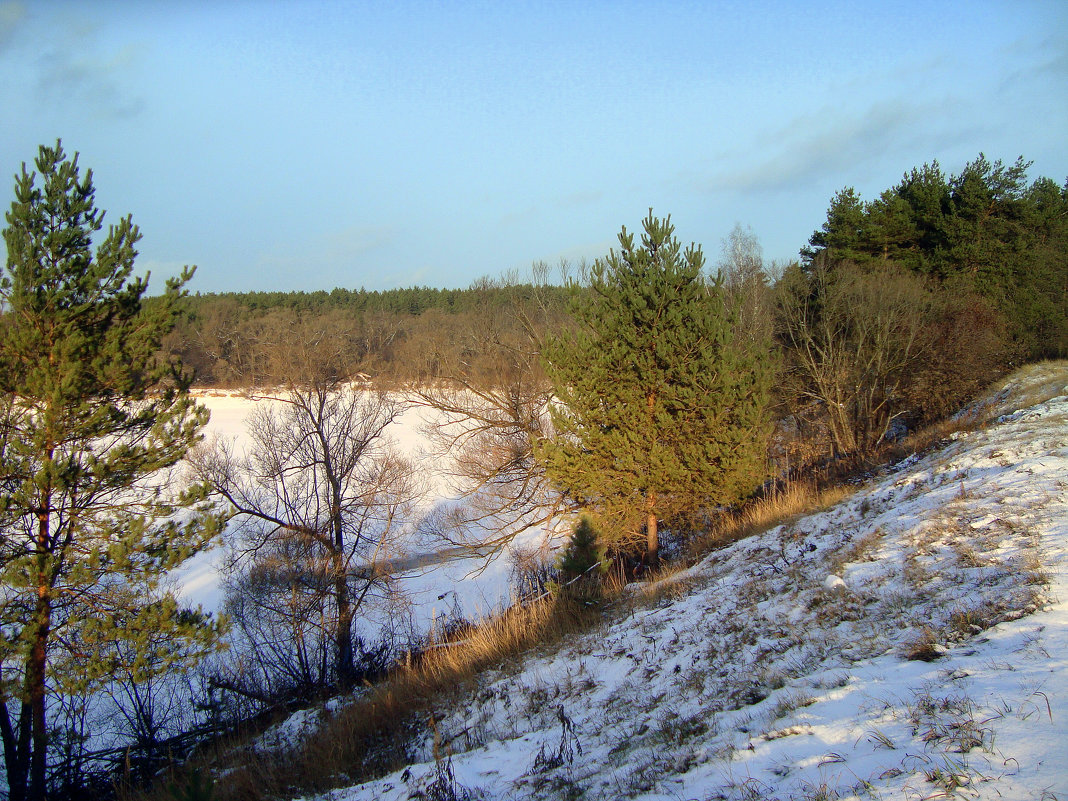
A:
(911, 642)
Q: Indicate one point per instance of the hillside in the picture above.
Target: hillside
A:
(910, 642)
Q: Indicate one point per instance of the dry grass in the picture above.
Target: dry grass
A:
(798, 498)
(863, 548)
(372, 735)
(933, 435)
(668, 582)
(924, 646)
(1033, 568)
(1029, 386)
(1032, 385)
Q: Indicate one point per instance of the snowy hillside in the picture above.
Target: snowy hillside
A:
(911, 642)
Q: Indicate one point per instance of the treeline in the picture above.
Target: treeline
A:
(985, 231)
(396, 336)
(411, 301)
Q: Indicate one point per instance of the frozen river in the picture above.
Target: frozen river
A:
(433, 577)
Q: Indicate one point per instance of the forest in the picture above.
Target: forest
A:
(638, 398)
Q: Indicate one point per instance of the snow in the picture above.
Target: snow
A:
(469, 587)
(833, 583)
(910, 642)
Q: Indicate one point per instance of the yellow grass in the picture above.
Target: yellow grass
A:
(760, 514)
(370, 736)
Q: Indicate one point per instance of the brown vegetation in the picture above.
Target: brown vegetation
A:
(372, 734)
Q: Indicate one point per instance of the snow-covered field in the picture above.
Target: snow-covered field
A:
(909, 643)
(470, 587)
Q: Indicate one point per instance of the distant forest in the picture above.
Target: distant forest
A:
(394, 336)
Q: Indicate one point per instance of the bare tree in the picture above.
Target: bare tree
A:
(491, 408)
(746, 288)
(318, 500)
(853, 339)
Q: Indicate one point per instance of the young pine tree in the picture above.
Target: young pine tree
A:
(91, 424)
(659, 410)
(583, 552)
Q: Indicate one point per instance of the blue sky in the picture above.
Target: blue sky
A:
(308, 145)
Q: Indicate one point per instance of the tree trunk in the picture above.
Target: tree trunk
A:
(35, 686)
(652, 537)
(345, 665)
(343, 635)
(16, 750)
(37, 664)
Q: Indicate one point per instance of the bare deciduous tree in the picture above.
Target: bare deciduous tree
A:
(746, 288)
(853, 337)
(489, 413)
(318, 501)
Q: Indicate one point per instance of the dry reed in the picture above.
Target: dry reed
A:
(778, 506)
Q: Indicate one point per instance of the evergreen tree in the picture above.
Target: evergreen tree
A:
(583, 551)
(92, 425)
(925, 194)
(984, 232)
(659, 411)
(844, 230)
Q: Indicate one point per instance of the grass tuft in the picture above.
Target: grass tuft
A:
(924, 647)
(763, 513)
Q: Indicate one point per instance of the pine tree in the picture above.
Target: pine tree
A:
(659, 411)
(984, 232)
(845, 229)
(92, 424)
(583, 552)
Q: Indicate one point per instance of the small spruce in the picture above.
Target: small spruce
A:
(583, 552)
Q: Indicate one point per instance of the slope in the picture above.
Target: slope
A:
(910, 642)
